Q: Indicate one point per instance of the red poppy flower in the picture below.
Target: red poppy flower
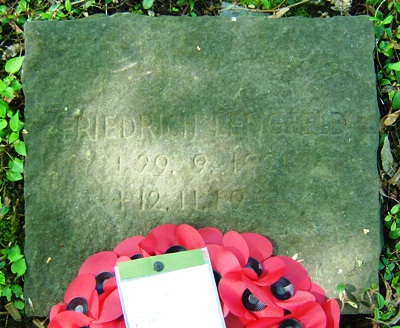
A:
(245, 299)
(81, 304)
(232, 321)
(255, 288)
(130, 247)
(332, 312)
(309, 315)
(100, 265)
(110, 307)
(81, 296)
(269, 271)
(119, 323)
(70, 319)
(318, 293)
(260, 248)
(171, 238)
(211, 236)
(222, 262)
(293, 289)
(253, 251)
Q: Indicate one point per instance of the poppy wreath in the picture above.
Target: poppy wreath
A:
(256, 289)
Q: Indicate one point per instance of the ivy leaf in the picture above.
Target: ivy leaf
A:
(14, 122)
(3, 86)
(13, 176)
(14, 136)
(13, 65)
(17, 290)
(19, 304)
(14, 254)
(394, 66)
(381, 301)
(7, 293)
(19, 267)
(20, 148)
(396, 101)
(68, 6)
(16, 165)
(3, 123)
(3, 108)
(394, 234)
(147, 4)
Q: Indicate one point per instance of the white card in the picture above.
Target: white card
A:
(181, 295)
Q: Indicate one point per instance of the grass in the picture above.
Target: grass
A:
(383, 301)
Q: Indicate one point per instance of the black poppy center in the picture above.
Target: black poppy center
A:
(254, 265)
(78, 304)
(217, 277)
(290, 323)
(136, 256)
(282, 289)
(251, 303)
(101, 279)
(175, 249)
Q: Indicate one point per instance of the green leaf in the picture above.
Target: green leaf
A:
(394, 234)
(381, 301)
(17, 290)
(88, 4)
(398, 247)
(45, 16)
(19, 267)
(20, 305)
(4, 211)
(2, 279)
(386, 316)
(393, 226)
(394, 66)
(22, 5)
(20, 148)
(147, 4)
(3, 86)
(7, 92)
(341, 288)
(13, 65)
(14, 254)
(396, 101)
(15, 85)
(14, 136)
(3, 123)
(14, 122)
(13, 176)
(352, 304)
(387, 20)
(3, 108)
(16, 165)
(68, 6)
(7, 293)
(395, 209)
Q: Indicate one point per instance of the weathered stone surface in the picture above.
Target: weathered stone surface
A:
(251, 125)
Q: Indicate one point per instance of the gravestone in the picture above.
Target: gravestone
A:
(253, 124)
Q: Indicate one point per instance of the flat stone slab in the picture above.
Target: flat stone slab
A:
(264, 125)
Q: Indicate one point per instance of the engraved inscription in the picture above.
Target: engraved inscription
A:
(199, 164)
(201, 199)
(230, 124)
